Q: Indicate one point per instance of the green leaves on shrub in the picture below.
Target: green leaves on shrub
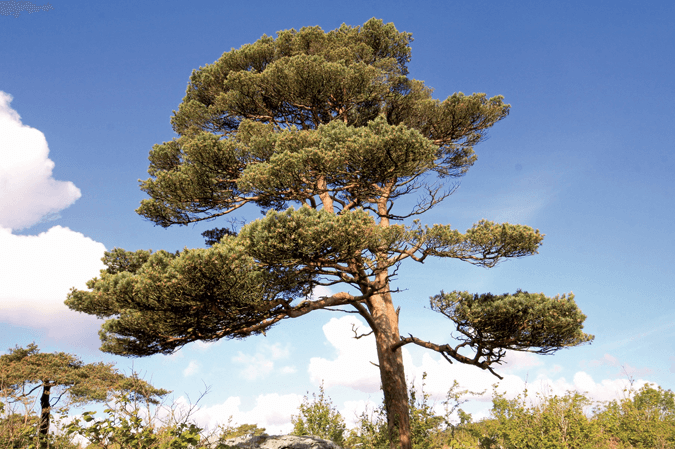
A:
(319, 418)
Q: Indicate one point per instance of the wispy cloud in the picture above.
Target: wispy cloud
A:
(261, 364)
(192, 368)
(625, 368)
(520, 201)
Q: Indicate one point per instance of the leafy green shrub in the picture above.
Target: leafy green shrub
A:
(425, 426)
(371, 431)
(554, 422)
(126, 428)
(646, 421)
(428, 429)
(229, 431)
(319, 418)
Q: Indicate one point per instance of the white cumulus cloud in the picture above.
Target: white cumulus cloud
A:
(36, 274)
(37, 271)
(352, 367)
(27, 190)
(271, 411)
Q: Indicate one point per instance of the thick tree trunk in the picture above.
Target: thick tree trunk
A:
(43, 428)
(392, 374)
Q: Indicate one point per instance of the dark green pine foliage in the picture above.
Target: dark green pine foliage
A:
(325, 132)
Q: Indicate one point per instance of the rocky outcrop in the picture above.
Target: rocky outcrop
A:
(280, 442)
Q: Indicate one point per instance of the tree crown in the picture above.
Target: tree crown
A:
(325, 132)
(22, 367)
(313, 117)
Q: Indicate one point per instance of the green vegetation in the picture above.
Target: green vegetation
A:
(643, 419)
(125, 427)
(24, 372)
(319, 418)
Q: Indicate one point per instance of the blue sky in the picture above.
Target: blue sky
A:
(586, 156)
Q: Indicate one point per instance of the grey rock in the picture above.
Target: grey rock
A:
(281, 442)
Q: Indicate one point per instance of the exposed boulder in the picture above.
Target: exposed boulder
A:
(280, 442)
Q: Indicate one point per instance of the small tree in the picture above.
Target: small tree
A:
(319, 418)
(24, 371)
(326, 133)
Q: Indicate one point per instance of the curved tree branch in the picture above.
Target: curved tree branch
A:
(447, 350)
(366, 315)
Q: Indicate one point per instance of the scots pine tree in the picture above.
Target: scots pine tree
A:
(24, 371)
(327, 134)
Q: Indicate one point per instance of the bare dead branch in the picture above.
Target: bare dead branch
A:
(356, 334)
(447, 350)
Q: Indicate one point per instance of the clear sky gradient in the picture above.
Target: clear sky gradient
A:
(586, 156)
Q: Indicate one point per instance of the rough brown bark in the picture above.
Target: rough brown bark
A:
(43, 429)
(392, 374)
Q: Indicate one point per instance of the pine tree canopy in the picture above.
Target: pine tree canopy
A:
(28, 368)
(327, 134)
(25, 370)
